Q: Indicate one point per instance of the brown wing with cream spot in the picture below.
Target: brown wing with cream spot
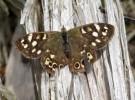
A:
(77, 56)
(79, 51)
(53, 56)
(31, 45)
(97, 35)
(84, 40)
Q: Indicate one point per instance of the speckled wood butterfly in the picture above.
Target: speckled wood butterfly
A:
(57, 49)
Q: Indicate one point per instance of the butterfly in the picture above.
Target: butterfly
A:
(69, 47)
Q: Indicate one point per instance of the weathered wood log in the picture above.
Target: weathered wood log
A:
(110, 77)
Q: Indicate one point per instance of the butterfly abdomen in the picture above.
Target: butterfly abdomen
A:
(67, 50)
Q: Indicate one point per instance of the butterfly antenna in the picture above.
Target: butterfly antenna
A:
(50, 16)
(70, 19)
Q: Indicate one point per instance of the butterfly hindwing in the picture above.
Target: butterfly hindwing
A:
(30, 45)
(90, 54)
(53, 56)
(77, 55)
(79, 51)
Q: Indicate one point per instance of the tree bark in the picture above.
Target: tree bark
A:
(110, 77)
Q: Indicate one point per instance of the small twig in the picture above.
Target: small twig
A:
(129, 19)
(130, 35)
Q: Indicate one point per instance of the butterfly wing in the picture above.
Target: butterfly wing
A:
(31, 44)
(53, 56)
(76, 54)
(85, 40)
(97, 35)
(79, 51)
(44, 45)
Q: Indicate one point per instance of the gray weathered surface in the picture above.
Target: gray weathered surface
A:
(110, 77)
(18, 75)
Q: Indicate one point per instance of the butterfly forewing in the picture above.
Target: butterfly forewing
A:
(31, 45)
(97, 35)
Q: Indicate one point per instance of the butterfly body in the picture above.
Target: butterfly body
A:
(57, 49)
(65, 42)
